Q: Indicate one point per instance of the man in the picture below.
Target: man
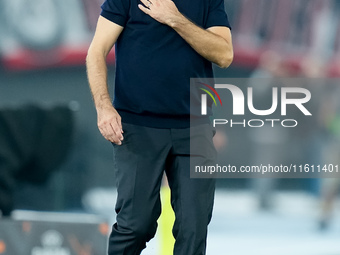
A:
(160, 45)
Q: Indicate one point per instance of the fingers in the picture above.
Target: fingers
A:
(119, 123)
(144, 9)
(117, 131)
(109, 134)
(163, 11)
(146, 3)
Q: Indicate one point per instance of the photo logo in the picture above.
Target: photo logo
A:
(300, 97)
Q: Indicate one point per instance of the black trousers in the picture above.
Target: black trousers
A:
(139, 166)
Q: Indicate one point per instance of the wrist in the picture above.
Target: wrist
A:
(103, 102)
(176, 20)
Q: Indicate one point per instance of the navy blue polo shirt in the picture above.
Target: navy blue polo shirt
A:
(154, 64)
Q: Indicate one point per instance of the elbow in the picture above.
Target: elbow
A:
(88, 56)
(87, 59)
(226, 59)
(94, 54)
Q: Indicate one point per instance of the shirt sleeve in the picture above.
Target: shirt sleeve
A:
(115, 11)
(217, 15)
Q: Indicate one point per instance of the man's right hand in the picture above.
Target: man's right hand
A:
(110, 124)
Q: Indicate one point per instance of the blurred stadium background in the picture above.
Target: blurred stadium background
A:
(43, 45)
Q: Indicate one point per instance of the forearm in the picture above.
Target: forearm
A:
(97, 77)
(209, 45)
(108, 120)
(214, 44)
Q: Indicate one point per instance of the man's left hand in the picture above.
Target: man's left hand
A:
(164, 11)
